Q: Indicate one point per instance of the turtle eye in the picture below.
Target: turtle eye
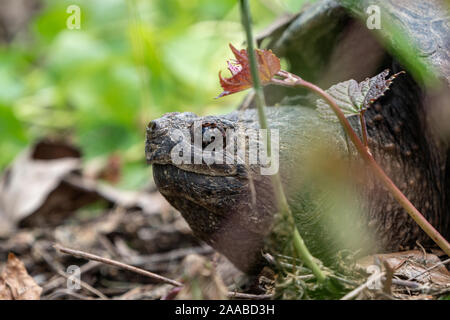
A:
(204, 130)
(210, 132)
(209, 135)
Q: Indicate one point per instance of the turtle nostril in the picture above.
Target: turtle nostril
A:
(152, 126)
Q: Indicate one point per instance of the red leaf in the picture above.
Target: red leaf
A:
(241, 78)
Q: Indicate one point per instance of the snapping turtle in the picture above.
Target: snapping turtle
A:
(231, 206)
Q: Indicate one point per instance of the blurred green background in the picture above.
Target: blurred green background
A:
(131, 61)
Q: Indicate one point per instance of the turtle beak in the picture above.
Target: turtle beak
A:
(156, 146)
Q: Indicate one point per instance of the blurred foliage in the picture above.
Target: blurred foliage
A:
(131, 61)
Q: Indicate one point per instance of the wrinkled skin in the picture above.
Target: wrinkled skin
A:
(214, 199)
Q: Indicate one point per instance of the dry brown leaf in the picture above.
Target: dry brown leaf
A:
(16, 283)
(413, 264)
(43, 187)
(26, 186)
(150, 203)
(201, 280)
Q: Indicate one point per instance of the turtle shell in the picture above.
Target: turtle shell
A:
(330, 41)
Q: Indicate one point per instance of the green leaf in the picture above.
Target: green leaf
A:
(353, 97)
(13, 136)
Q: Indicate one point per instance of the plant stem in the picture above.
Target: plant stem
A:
(259, 94)
(378, 171)
(299, 245)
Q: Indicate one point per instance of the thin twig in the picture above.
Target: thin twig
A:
(59, 280)
(59, 270)
(240, 295)
(170, 256)
(89, 256)
(247, 101)
(431, 268)
(372, 279)
(406, 283)
(346, 281)
(66, 292)
(84, 285)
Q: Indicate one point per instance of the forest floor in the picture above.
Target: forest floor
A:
(48, 198)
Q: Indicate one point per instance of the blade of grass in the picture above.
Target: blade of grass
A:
(299, 245)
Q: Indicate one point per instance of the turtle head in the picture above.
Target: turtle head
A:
(193, 171)
(192, 143)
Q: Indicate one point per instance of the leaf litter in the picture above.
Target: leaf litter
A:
(140, 228)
